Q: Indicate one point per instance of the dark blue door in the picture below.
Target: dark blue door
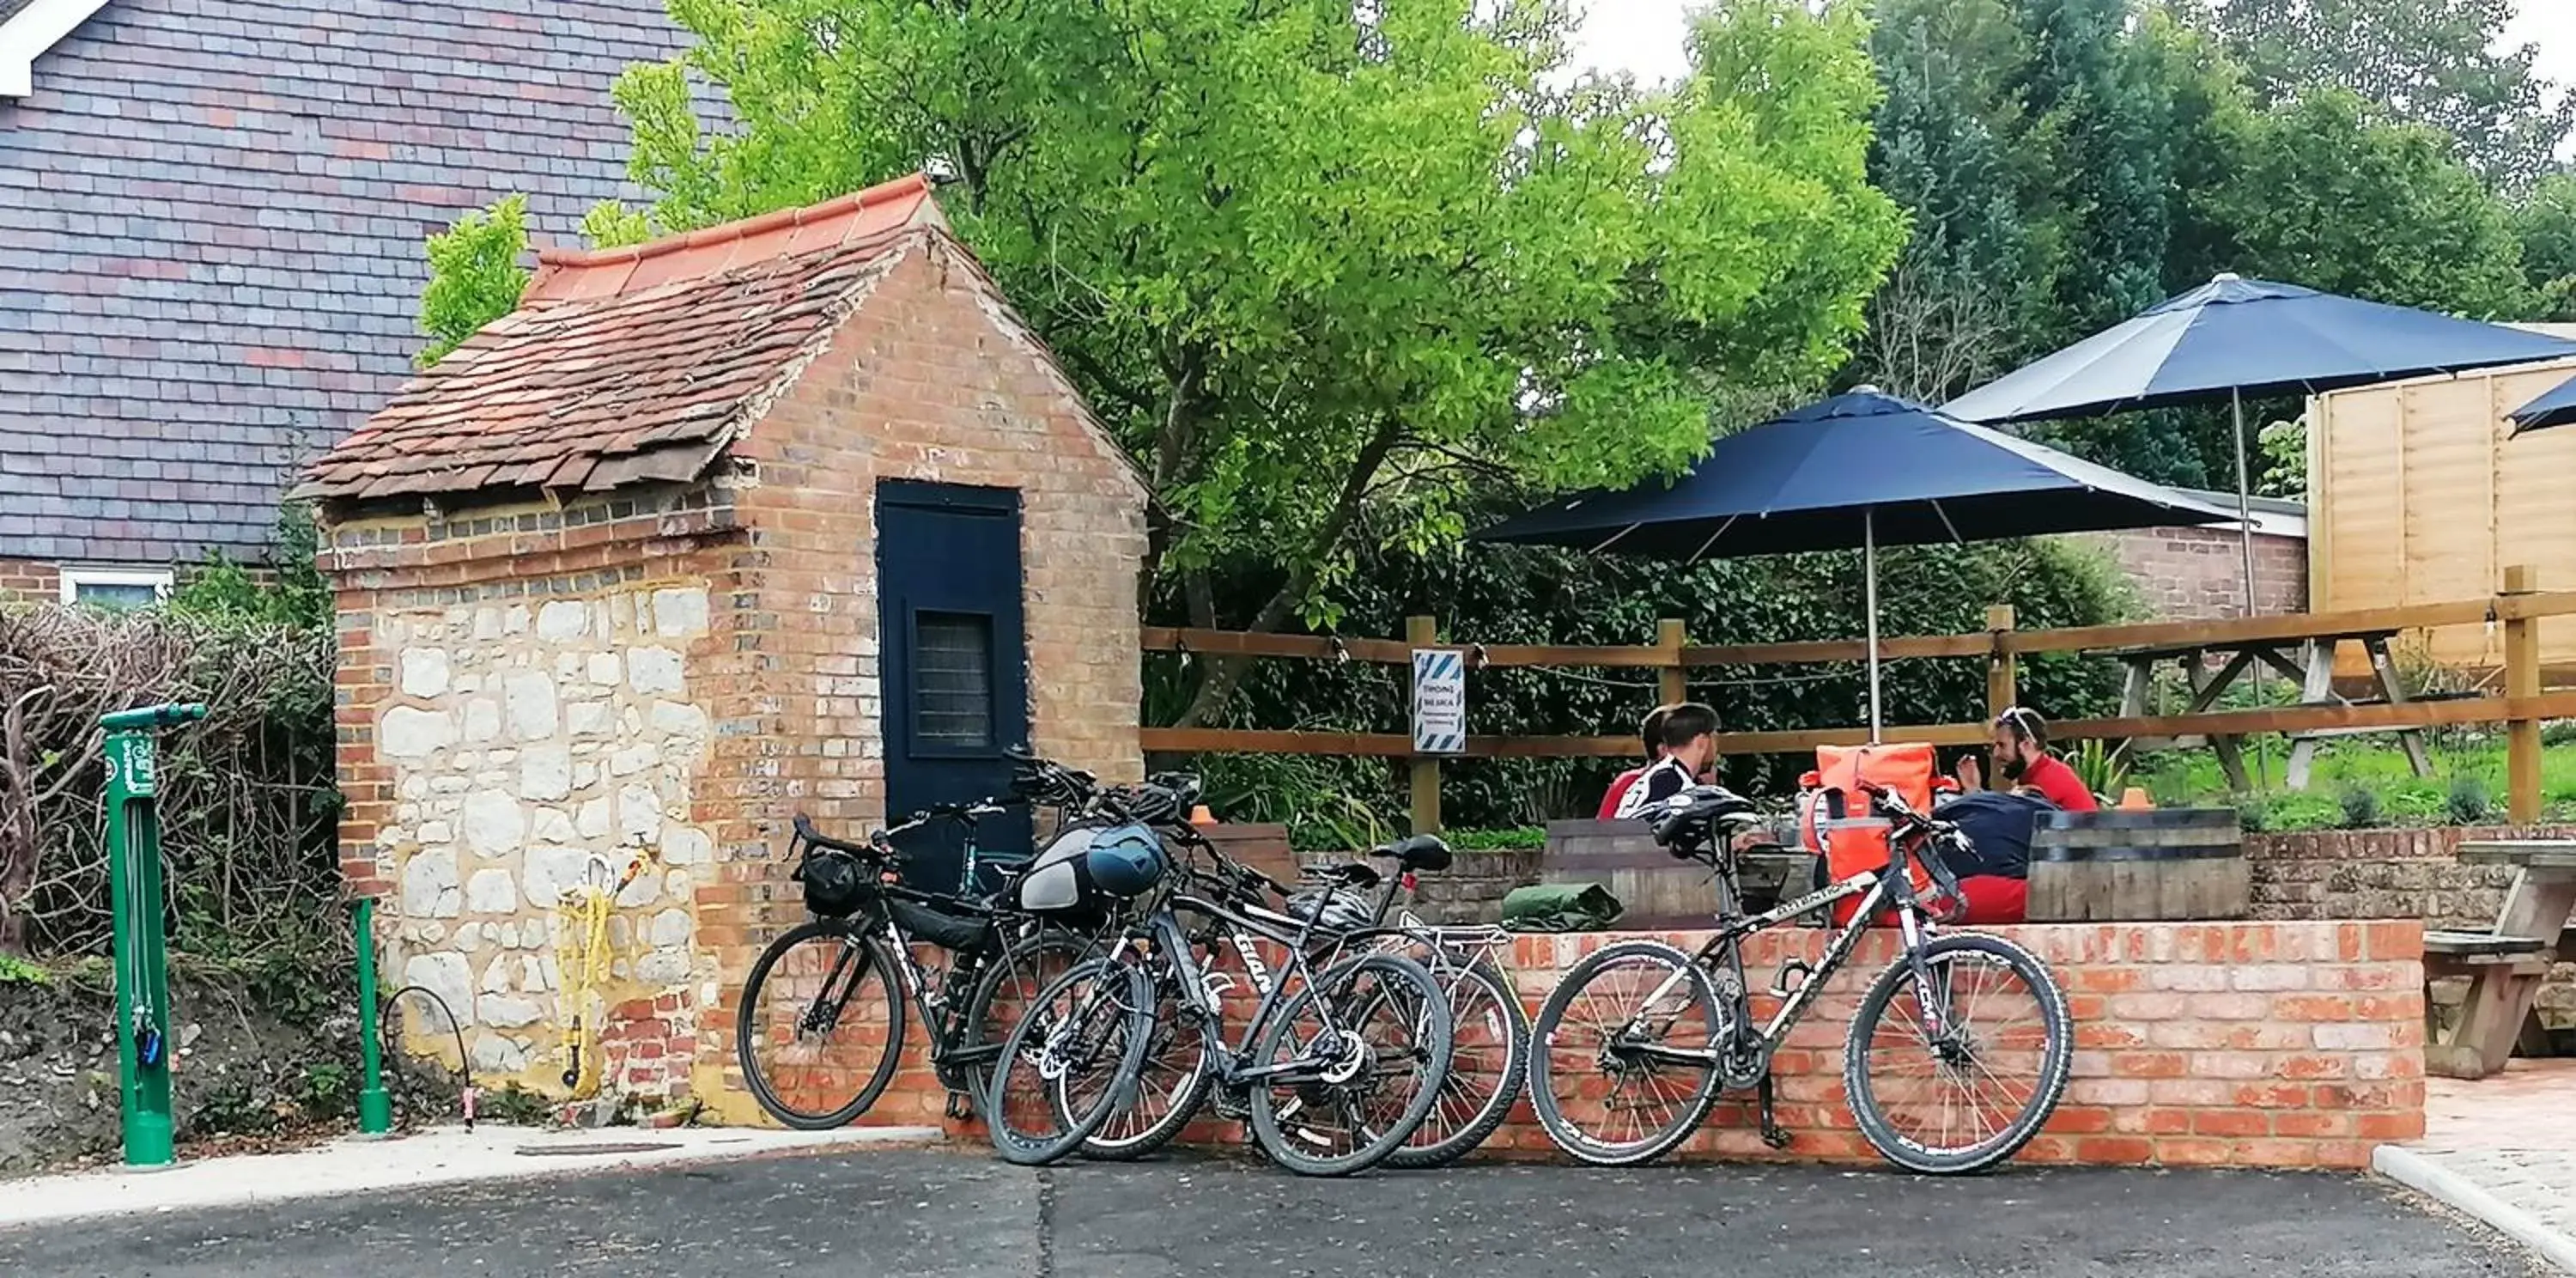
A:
(955, 660)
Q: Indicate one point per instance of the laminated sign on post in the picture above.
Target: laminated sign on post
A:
(1439, 701)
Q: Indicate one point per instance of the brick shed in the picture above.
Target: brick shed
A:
(793, 514)
(2198, 574)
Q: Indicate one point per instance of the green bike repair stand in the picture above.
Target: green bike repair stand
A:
(375, 1106)
(142, 960)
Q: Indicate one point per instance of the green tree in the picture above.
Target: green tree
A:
(1327, 269)
(2324, 193)
(2439, 63)
(474, 275)
(2545, 223)
(1966, 295)
(2100, 124)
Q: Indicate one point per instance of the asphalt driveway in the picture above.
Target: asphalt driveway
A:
(886, 1213)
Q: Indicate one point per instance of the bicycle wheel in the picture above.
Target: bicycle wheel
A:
(821, 1025)
(1173, 1083)
(1600, 1087)
(1972, 1096)
(1489, 1059)
(1070, 1062)
(1008, 987)
(1377, 1029)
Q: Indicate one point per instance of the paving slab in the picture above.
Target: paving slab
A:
(437, 1156)
(2502, 1150)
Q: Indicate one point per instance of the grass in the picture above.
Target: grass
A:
(2361, 782)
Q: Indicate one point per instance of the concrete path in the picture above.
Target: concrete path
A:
(440, 1156)
(961, 1214)
(2503, 1150)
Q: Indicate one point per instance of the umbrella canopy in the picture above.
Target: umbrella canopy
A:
(1811, 479)
(1856, 472)
(2557, 408)
(2254, 338)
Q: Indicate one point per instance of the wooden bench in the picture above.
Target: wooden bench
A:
(2504, 974)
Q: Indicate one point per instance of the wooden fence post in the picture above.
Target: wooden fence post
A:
(1423, 632)
(1672, 683)
(2003, 671)
(2521, 679)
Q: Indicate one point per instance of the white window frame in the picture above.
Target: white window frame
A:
(159, 579)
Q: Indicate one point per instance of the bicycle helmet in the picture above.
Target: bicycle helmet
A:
(1087, 866)
(1340, 911)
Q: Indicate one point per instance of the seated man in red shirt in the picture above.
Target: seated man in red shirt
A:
(2022, 759)
(1652, 730)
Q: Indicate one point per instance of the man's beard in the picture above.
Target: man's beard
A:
(2014, 767)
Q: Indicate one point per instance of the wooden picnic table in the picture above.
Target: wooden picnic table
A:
(2312, 668)
(2505, 966)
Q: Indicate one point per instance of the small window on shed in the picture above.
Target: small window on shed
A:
(952, 679)
(119, 588)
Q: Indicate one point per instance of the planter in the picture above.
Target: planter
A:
(2120, 866)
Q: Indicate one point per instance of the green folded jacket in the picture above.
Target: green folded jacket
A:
(1561, 907)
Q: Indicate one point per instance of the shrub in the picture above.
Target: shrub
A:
(2292, 812)
(2417, 803)
(2468, 801)
(247, 804)
(2360, 809)
(1515, 839)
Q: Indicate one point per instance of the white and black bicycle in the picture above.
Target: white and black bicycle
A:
(1958, 1054)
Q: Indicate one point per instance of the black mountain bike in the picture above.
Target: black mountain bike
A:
(820, 1030)
(1958, 1053)
(1338, 1065)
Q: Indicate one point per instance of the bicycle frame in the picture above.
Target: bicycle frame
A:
(1164, 930)
(1878, 891)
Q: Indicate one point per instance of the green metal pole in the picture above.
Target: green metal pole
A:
(142, 958)
(375, 1107)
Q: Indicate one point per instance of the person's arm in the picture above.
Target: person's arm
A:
(1972, 777)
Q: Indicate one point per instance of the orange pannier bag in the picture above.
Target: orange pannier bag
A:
(1859, 842)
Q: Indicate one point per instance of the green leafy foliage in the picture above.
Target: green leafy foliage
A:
(2468, 802)
(1513, 839)
(474, 275)
(18, 971)
(1327, 270)
(2360, 808)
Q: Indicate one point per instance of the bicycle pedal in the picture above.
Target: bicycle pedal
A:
(961, 1107)
(1780, 987)
(1775, 1138)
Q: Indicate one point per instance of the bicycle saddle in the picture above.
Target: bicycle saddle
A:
(1421, 852)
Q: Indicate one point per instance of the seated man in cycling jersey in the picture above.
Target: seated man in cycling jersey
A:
(1652, 733)
(1689, 752)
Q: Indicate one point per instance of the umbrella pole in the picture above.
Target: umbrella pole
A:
(2245, 542)
(1869, 597)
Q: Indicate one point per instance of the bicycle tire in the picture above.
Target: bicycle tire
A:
(1107, 997)
(2056, 1063)
(1501, 1002)
(978, 1030)
(1428, 1013)
(875, 964)
(1169, 1028)
(1693, 1109)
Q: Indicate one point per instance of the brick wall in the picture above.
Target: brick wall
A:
(29, 581)
(2186, 574)
(2397, 874)
(930, 380)
(214, 214)
(2278, 1045)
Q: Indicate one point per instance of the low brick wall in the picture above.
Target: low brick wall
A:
(2272, 1045)
(2397, 874)
(1471, 890)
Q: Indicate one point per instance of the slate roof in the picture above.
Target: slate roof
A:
(211, 214)
(635, 364)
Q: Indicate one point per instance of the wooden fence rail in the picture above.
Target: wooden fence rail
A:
(2516, 608)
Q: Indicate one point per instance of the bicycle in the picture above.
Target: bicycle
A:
(1331, 1078)
(1491, 1035)
(1693, 1030)
(838, 971)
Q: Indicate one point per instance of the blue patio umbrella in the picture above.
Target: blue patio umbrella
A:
(2234, 337)
(2556, 408)
(1857, 471)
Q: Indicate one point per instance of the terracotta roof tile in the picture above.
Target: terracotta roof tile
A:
(635, 364)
